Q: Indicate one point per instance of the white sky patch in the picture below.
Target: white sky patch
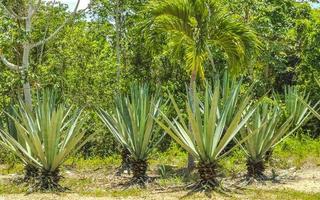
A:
(315, 5)
(72, 3)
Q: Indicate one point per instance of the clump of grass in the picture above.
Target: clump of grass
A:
(11, 188)
(93, 163)
(172, 181)
(174, 156)
(284, 194)
(297, 151)
(11, 169)
(234, 164)
(127, 193)
(130, 192)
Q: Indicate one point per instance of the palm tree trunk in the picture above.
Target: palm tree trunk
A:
(191, 161)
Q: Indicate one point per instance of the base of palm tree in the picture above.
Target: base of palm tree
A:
(139, 170)
(125, 162)
(255, 170)
(30, 173)
(48, 181)
(208, 173)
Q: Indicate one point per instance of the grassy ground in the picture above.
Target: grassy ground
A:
(297, 158)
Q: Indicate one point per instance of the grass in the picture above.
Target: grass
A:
(296, 152)
(11, 188)
(79, 163)
(174, 156)
(284, 194)
(11, 169)
(131, 192)
(91, 177)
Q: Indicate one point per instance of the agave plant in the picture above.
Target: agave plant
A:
(267, 130)
(46, 136)
(209, 132)
(295, 107)
(132, 124)
(271, 125)
(312, 109)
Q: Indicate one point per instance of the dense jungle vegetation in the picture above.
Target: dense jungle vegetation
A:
(162, 93)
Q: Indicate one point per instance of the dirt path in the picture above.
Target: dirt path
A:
(303, 180)
(306, 180)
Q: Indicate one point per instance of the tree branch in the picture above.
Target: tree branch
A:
(9, 64)
(11, 14)
(35, 7)
(58, 29)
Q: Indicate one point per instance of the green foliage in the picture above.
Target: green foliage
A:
(267, 130)
(270, 124)
(297, 151)
(81, 60)
(295, 107)
(132, 123)
(209, 133)
(197, 26)
(47, 134)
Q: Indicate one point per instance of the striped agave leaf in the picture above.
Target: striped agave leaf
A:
(313, 109)
(271, 126)
(209, 132)
(230, 85)
(132, 124)
(294, 107)
(46, 136)
(267, 130)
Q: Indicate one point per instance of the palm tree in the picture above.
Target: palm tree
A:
(198, 26)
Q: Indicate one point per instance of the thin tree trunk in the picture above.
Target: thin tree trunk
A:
(191, 161)
(25, 60)
(118, 35)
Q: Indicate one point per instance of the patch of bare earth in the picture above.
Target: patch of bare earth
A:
(84, 185)
(303, 180)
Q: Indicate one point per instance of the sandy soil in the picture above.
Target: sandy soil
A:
(304, 180)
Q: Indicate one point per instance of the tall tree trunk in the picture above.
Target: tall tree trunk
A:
(191, 161)
(25, 60)
(118, 38)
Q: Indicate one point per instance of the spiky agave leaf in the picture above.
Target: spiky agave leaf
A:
(313, 109)
(47, 135)
(209, 132)
(271, 126)
(132, 123)
(294, 107)
(268, 131)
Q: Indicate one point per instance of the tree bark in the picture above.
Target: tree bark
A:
(25, 60)
(27, 45)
